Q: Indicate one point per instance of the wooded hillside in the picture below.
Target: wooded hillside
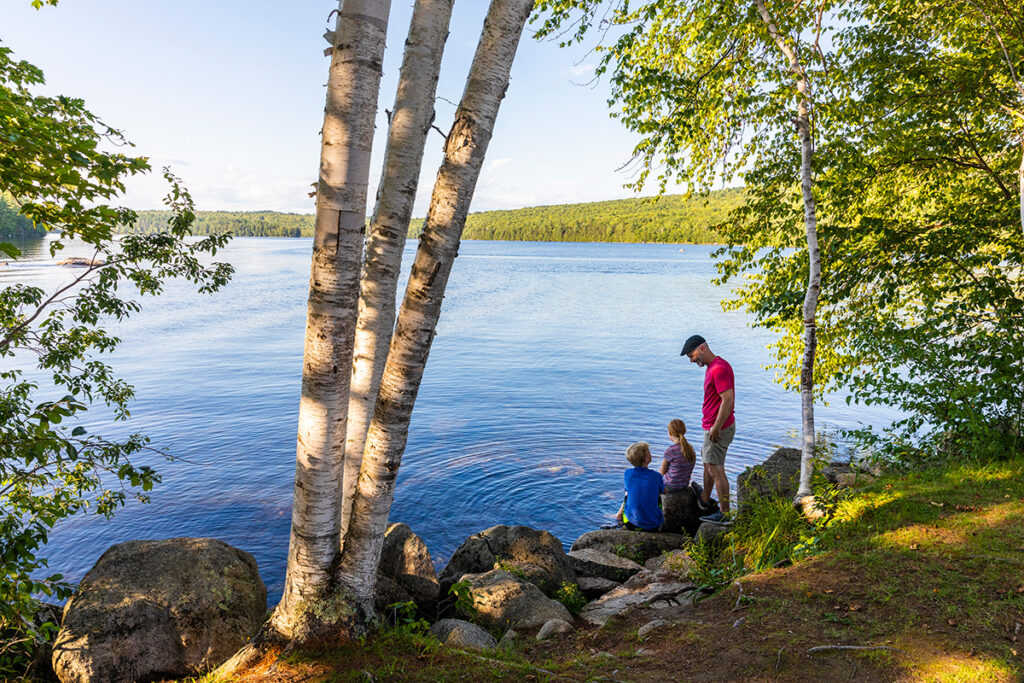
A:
(13, 225)
(671, 218)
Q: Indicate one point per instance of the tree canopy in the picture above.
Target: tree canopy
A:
(918, 121)
(56, 174)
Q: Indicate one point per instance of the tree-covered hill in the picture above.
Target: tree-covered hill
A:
(671, 218)
(13, 225)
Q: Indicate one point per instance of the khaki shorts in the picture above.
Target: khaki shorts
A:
(713, 452)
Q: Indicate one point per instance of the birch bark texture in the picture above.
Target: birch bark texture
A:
(810, 307)
(456, 180)
(352, 88)
(411, 119)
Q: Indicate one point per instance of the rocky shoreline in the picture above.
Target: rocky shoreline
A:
(152, 610)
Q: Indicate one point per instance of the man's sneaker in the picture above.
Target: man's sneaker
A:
(717, 518)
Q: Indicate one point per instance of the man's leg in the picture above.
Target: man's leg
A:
(709, 483)
(721, 485)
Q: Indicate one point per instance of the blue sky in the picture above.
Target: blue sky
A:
(230, 95)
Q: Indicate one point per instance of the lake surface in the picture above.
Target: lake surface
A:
(550, 360)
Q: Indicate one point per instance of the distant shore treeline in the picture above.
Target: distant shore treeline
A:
(14, 226)
(669, 219)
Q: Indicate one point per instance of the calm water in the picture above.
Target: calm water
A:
(550, 360)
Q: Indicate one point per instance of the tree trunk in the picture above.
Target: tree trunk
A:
(347, 135)
(803, 126)
(421, 307)
(410, 122)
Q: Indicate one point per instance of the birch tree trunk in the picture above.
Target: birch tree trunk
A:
(411, 119)
(347, 135)
(803, 126)
(421, 307)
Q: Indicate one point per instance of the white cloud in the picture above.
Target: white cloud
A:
(581, 69)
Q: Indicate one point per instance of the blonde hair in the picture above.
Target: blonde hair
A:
(638, 453)
(678, 428)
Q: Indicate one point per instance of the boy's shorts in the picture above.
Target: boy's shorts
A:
(713, 452)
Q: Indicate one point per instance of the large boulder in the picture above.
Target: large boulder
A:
(532, 554)
(681, 512)
(638, 546)
(503, 601)
(152, 610)
(779, 475)
(646, 587)
(406, 571)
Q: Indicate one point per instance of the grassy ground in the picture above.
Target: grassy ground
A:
(927, 569)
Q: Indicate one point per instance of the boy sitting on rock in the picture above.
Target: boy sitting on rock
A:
(641, 508)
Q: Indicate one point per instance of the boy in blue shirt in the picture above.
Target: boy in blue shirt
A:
(641, 509)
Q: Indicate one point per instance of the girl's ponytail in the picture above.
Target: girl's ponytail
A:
(678, 428)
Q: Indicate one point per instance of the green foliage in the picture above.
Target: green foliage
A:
(672, 219)
(54, 169)
(769, 531)
(464, 602)
(628, 552)
(570, 595)
(918, 123)
(404, 616)
(713, 568)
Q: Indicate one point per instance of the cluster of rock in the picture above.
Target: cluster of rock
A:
(153, 610)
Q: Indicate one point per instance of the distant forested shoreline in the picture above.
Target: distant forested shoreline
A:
(671, 218)
(14, 226)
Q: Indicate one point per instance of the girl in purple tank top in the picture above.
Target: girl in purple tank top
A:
(677, 465)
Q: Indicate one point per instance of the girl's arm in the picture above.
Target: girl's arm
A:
(664, 466)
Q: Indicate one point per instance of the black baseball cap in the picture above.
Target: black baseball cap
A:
(691, 343)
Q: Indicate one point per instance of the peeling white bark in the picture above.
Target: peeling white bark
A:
(411, 119)
(352, 88)
(803, 126)
(421, 307)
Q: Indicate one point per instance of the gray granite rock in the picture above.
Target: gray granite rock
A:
(709, 532)
(677, 561)
(638, 546)
(151, 610)
(779, 475)
(594, 562)
(536, 555)
(462, 634)
(643, 588)
(505, 601)
(553, 627)
(406, 559)
(594, 587)
(650, 627)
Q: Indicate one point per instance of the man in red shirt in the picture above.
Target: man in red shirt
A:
(719, 422)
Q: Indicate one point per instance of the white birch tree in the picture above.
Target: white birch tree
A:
(810, 307)
(330, 578)
(456, 180)
(411, 120)
(346, 138)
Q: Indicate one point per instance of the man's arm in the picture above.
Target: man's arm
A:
(724, 411)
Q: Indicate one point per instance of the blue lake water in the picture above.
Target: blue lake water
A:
(550, 360)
